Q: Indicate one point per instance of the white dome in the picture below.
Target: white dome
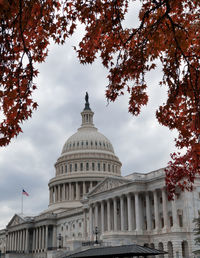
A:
(87, 138)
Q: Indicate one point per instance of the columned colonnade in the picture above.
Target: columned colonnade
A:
(70, 191)
(134, 211)
(18, 241)
(32, 239)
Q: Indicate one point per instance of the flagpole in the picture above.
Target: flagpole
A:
(22, 203)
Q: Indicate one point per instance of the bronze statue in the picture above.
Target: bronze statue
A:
(86, 97)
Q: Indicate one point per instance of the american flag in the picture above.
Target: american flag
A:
(25, 193)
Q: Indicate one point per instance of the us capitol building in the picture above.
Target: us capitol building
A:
(89, 201)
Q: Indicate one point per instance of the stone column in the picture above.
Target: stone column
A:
(102, 217)
(11, 240)
(122, 212)
(148, 211)
(50, 195)
(91, 222)
(56, 193)
(43, 238)
(64, 193)
(70, 191)
(108, 215)
(174, 213)
(137, 212)
(84, 188)
(130, 224)
(84, 223)
(40, 239)
(33, 248)
(27, 241)
(155, 198)
(54, 237)
(77, 191)
(90, 186)
(59, 193)
(96, 214)
(164, 206)
(20, 240)
(46, 238)
(36, 236)
(51, 191)
(115, 213)
(23, 241)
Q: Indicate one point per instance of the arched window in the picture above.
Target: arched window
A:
(99, 167)
(93, 166)
(170, 249)
(161, 248)
(180, 218)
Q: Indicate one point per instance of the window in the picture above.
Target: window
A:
(154, 224)
(99, 167)
(81, 166)
(180, 218)
(93, 166)
(112, 168)
(160, 199)
(75, 167)
(104, 167)
(96, 143)
(109, 167)
(82, 143)
(70, 167)
(100, 143)
(66, 227)
(162, 222)
(66, 168)
(91, 143)
(87, 166)
(80, 224)
(74, 144)
(171, 221)
(62, 169)
(87, 143)
(77, 143)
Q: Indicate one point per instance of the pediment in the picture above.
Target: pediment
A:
(16, 220)
(108, 184)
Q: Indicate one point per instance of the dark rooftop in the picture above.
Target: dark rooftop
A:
(117, 251)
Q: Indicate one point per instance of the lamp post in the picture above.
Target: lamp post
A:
(96, 232)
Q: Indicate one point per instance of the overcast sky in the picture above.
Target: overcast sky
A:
(141, 144)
